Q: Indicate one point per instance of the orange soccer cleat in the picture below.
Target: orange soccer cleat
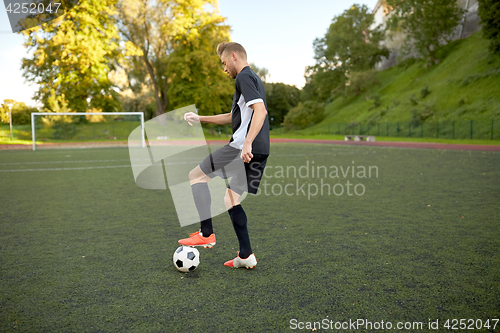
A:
(197, 239)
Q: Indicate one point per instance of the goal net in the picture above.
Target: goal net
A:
(85, 129)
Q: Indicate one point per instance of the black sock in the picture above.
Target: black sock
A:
(203, 201)
(239, 219)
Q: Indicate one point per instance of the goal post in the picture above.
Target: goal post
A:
(87, 114)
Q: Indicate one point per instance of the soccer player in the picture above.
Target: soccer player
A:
(250, 142)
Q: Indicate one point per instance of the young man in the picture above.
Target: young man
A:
(250, 142)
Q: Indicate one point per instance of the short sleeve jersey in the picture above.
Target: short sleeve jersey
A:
(249, 90)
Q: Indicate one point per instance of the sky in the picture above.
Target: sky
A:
(277, 35)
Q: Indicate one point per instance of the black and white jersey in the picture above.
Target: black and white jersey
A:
(249, 90)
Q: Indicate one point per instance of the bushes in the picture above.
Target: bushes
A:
(413, 100)
(63, 125)
(425, 92)
(419, 116)
(489, 11)
(376, 101)
(359, 82)
(304, 115)
(64, 130)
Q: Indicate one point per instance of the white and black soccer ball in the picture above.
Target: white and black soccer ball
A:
(186, 259)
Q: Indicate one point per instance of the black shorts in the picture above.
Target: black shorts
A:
(246, 179)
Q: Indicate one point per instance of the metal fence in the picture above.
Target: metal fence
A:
(471, 129)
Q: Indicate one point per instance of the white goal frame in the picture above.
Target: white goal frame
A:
(33, 114)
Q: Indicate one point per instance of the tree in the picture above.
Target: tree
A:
(359, 82)
(172, 47)
(280, 99)
(304, 115)
(428, 24)
(322, 83)
(63, 125)
(489, 11)
(195, 69)
(143, 24)
(4, 110)
(73, 55)
(137, 97)
(21, 113)
(351, 44)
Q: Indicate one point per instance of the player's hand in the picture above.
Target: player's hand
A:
(246, 152)
(191, 117)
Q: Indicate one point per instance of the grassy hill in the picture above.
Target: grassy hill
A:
(465, 85)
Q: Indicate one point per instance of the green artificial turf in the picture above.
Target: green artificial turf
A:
(86, 250)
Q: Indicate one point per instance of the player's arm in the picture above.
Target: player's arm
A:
(259, 115)
(220, 119)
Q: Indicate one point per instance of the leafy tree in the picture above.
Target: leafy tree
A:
(304, 115)
(147, 29)
(280, 99)
(139, 100)
(4, 110)
(135, 95)
(428, 24)
(351, 44)
(63, 125)
(321, 83)
(73, 55)
(359, 82)
(195, 69)
(21, 113)
(489, 11)
(172, 49)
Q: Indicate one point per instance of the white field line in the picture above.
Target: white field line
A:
(78, 168)
(55, 162)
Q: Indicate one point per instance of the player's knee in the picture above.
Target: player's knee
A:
(197, 176)
(193, 175)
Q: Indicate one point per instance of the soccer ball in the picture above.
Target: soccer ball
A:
(186, 259)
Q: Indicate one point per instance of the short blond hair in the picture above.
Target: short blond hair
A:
(230, 47)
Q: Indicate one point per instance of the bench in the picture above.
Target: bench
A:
(370, 138)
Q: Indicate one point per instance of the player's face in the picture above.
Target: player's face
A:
(229, 66)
